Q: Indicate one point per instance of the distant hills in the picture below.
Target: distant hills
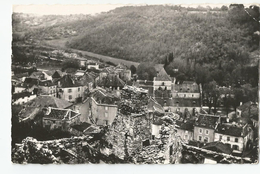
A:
(150, 33)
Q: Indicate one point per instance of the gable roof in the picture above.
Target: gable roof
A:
(57, 74)
(218, 147)
(111, 80)
(61, 114)
(154, 106)
(66, 81)
(104, 98)
(206, 121)
(43, 101)
(158, 67)
(232, 130)
(188, 125)
(162, 76)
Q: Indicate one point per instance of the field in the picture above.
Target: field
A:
(60, 43)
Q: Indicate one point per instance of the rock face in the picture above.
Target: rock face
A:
(74, 150)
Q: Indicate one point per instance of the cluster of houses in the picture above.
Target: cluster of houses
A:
(83, 101)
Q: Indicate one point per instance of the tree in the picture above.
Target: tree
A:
(133, 69)
(70, 63)
(146, 71)
(224, 8)
(211, 95)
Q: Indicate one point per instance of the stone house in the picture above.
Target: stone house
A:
(55, 118)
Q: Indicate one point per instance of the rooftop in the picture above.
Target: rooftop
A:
(66, 81)
(45, 101)
(207, 121)
(185, 125)
(111, 80)
(162, 76)
(60, 114)
(232, 130)
(218, 147)
(104, 98)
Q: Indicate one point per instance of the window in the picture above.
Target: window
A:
(220, 137)
(200, 131)
(106, 115)
(78, 89)
(207, 132)
(200, 138)
(106, 122)
(206, 140)
(228, 138)
(70, 97)
(235, 147)
(236, 139)
(106, 108)
(184, 95)
(69, 90)
(192, 95)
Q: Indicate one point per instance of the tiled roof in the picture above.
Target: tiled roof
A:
(188, 125)
(104, 98)
(178, 102)
(233, 130)
(66, 81)
(162, 76)
(111, 80)
(86, 79)
(43, 101)
(218, 147)
(186, 88)
(46, 83)
(206, 121)
(57, 114)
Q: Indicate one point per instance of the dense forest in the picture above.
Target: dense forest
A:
(149, 33)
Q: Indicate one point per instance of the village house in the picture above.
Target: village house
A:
(34, 106)
(70, 90)
(112, 82)
(103, 108)
(204, 128)
(93, 65)
(238, 137)
(145, 84)
(48, 88)
(62, 119)
(177, 105)
(185, 130)
(40, 75)
(187, 89)
(162, 81)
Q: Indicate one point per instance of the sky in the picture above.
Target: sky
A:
(59, 9)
